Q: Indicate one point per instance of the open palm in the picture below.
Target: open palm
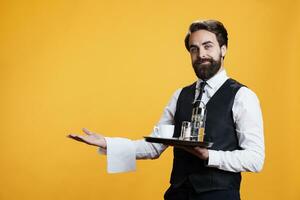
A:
(90, 138)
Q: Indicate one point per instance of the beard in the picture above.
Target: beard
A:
(207, 67)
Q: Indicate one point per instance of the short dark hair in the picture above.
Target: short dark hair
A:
(213, 26)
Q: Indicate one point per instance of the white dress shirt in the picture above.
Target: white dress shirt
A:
(122, 153)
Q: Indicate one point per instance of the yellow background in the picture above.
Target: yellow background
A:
(112, 66)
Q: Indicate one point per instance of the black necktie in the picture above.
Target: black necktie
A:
(201, 90)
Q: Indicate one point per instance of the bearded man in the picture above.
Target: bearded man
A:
(233, 123)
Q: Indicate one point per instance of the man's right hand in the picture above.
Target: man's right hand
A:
(90, 138)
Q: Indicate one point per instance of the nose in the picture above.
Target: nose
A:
(201, 53)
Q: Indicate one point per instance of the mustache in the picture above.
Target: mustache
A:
(200, 61)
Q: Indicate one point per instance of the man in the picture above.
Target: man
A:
(234, 124)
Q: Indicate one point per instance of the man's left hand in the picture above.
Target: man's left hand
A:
(201, 153)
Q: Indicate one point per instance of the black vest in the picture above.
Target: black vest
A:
(219, 129)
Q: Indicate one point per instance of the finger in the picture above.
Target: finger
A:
(188, 149)
(86, 131)
(81, 137)
(71, 135)
(75, 137)
(199, 149)
(78, 138)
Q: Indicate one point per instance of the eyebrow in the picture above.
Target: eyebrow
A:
(204, 43)
(207, 42)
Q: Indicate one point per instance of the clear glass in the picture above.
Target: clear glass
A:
(185, 130)
(198, 122)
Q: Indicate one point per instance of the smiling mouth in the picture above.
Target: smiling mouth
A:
(205, 62)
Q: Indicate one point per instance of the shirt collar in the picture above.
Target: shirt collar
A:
(216, 81)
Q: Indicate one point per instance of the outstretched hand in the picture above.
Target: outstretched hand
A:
(90, 138)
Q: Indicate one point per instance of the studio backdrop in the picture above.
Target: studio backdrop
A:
(112, 66)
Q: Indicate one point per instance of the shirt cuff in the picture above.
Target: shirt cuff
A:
(120, 155)
(213, 158)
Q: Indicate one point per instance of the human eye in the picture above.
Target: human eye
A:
(208, 46)
(193, 49)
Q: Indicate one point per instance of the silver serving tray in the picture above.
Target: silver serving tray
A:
(178, 142)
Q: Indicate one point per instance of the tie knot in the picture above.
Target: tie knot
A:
(202, 85)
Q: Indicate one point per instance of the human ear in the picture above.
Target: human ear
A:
(223, 50)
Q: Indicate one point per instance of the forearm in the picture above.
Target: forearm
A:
(237, 161)
(146, 150)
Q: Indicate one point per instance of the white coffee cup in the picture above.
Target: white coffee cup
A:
(164, 131)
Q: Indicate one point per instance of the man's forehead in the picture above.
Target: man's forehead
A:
(202, 36)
